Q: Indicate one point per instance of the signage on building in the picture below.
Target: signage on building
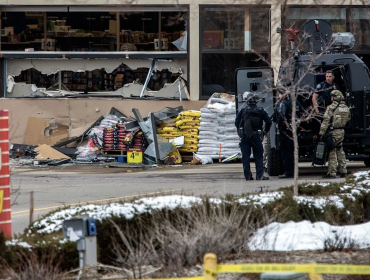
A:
(34, 14)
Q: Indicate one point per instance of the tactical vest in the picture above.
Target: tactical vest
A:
(254, 114)
(341, 116)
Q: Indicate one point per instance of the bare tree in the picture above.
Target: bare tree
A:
(304, 53)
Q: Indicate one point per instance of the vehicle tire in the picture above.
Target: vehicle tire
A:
(275, 163)
(367, 162)
(274, 160)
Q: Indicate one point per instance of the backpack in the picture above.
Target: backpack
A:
(327, 138)
(320, 154)
(245, 128)
(240, 129)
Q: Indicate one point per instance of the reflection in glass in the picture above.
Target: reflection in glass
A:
(92, 31)
(231, 37)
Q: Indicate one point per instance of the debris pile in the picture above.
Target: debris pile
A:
(166, 137)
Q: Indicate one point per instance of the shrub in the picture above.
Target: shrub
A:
(34, 265)
(169, 241)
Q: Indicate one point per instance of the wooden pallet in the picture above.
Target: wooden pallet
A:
(114, 152)
(186, 156)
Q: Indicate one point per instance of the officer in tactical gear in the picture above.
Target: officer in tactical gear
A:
(321, 98)
(284, 119)
(335, 118)
(249, 122)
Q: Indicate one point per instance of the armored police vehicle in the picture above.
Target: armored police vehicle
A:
(322, 50)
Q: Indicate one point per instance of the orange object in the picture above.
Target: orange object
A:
(219, 154)
(5, 212)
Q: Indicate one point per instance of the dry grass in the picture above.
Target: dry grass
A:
(32, 266)
(172, 242)
(178, 241)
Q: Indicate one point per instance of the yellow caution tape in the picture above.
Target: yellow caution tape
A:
(305, 268)
(184, 278)
(210, 272)
(314, 270)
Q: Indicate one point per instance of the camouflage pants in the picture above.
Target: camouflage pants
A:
(265, 151)
(337, 157)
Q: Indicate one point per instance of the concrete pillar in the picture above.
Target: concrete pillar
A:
(247, 30)
(194, 50)
(275, 38)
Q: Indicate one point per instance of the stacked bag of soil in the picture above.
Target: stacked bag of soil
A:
(110, 139)
(218, 136)
(111, 135)
(91, 150)
(184, 125)
(188, 123)
(117, 138)
(168, 131)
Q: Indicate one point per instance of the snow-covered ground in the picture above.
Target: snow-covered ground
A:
(289, 236)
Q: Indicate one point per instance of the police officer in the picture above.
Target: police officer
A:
(249, 122)
(321, 98)
(335, 118)
(284, 119)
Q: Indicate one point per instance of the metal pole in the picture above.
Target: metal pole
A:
(3, 89)
(60, 80)
(45, 30)
(228, 30)
(155, 139)
(141, 122)
(81, 262)
(160, 31)
(32, 205)
(148, 77)
(118, 31)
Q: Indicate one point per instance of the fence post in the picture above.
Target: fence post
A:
(210, 266)
(32, 205)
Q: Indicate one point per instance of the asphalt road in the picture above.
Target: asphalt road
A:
(74, 184)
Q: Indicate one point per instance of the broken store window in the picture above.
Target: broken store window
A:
(98, 80)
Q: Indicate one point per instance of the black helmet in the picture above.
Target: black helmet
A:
(251, 98)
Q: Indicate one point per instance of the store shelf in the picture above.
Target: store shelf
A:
(15, 43)
(19, 46)
(223, 51)
(93, 55)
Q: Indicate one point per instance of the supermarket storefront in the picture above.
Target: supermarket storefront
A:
(73, 62)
